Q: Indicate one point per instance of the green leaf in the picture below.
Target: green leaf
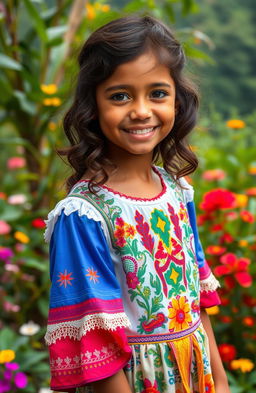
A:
(8, 62)
(25, 104)
(33, 263)
(141, 304)
(7, 339)
(30, 358)
(37, 20)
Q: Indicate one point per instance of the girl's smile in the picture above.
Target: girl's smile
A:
(136, 106)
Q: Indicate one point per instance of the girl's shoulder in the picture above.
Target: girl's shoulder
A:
(182, 184)
(68, 206)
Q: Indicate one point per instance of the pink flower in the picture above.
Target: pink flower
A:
(16, 162)
(214, 174)
(5, 253)
(20, 380)
(4, 228)
(149, 387)
(17, 199)
(11, 307)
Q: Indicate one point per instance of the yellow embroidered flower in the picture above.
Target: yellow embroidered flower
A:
(213, 310)
(235, 124)
(49, 89)
(245, 365)
(130, 231)
(7, 355)
(21, 237)
(179, 314)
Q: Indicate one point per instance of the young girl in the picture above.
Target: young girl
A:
(129, 280)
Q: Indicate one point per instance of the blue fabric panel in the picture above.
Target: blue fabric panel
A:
(81, 267)
(198, 247)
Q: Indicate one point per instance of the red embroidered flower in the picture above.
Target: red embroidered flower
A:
(231, 264)
(132, 280)
(149, 388)
(218, 198)
(121, 242)
(227, 352)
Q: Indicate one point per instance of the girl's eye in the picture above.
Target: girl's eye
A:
(159, 94)
(120, 97)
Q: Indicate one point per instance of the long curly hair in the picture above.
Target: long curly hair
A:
(115, 43)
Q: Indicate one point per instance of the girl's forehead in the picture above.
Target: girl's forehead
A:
(144, 68)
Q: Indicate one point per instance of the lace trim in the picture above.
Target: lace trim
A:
(189, 192)
(77, 329)
(70, 205)
(210, 284)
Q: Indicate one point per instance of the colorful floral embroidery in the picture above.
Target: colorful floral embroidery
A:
(92, 274)
(161, 226)
(179, 314)
(65, 279)
(149, 387)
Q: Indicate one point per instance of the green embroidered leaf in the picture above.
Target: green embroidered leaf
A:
(141, 272)
(141, 304)
(133, 294)
(134, 247)
(139, 385)
(155, 283)
(161, 384)
(146, 292)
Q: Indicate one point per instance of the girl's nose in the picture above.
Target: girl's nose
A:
(140, 111)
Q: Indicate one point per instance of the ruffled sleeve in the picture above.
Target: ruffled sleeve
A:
(208, 283)
(86, 323)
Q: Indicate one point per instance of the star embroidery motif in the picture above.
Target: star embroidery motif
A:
(92, 274)
(65, 279)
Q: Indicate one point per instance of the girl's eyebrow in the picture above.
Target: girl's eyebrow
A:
(123, 87)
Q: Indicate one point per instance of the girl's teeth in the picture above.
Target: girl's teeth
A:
(140, 132)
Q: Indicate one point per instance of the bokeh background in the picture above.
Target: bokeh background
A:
(39, 41)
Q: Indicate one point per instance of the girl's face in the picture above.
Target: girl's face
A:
(136, 106)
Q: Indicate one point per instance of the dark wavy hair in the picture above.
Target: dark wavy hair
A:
(115, 43)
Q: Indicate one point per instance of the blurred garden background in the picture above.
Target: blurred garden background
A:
(39, 41)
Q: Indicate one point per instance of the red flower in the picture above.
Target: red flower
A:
(249, 300)
(149, 388)
(216, 228)
(231, 264)
(227, 352)
(226, 238)
(248, 321)
(247, 216)
(215, 250)
(38, 223)
(132, 280)
(218, 198)
(226, 319)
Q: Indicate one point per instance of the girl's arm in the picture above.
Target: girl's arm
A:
(117, 383)
(218, 372)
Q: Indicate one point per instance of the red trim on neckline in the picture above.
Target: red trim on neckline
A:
(135, 198)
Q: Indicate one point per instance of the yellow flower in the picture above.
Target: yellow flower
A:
(49, 89)
(243, 243)
(179, 313)
(91, 14)
(213, 310)
(7, 355)
(21, 237)
(245, 365)
(52, 126)
(105, 8)
(241, 200)
(252, 170)
(235, 124)
(54, 101)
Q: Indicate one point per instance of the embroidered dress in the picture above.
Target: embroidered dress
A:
(128, 280)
